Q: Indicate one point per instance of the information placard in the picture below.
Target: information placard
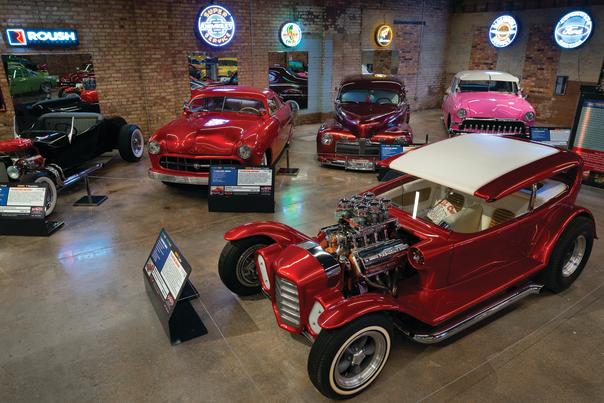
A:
(241, 189)
(389, 150)
(166, 274)
(23, 211)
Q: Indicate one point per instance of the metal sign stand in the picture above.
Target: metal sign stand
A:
(89, 199)
(288, 171)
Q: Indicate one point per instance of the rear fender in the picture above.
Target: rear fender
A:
(549, 240)
(352, 308)
(280, 233)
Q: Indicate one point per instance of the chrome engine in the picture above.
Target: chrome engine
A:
(365, 240)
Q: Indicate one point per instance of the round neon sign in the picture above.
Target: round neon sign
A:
(216, 25)
(503, 31)
(384, 35)
(573, 30)
(291, 34)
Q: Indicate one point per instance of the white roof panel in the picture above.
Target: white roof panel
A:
(486, 75)
(468, 162)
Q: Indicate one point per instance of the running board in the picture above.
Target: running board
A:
(442, 333)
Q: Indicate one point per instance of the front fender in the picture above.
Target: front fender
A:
(280, 233)
(352, 308)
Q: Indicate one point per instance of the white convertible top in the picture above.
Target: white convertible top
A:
(470, 161)
(486, 75)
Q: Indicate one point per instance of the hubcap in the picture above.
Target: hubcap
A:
(137, 143)
(574, 256)
(246, 267)
(360, 359)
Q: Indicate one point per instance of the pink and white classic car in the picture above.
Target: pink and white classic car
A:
(487, 102)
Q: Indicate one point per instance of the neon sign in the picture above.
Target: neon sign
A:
(41, 37)
(291, 34)
(384, 35)
(216, 25)
(503, 31)
(573, 29)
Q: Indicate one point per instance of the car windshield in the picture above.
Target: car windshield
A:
(62, 124)
(227, 104)
(487, 85)
(364, 96)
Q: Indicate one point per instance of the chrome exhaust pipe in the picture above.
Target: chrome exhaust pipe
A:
(465, 322)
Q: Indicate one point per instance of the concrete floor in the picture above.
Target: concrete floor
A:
(76, 324)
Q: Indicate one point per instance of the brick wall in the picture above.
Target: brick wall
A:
(139, 47)
(483, 55)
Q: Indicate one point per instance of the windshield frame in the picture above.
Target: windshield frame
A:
(262, 111)
(515, 86)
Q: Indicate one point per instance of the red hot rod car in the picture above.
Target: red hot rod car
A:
(487, 222)
(221, 125)
(370, 110)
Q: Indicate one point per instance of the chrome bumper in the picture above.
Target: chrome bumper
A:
(187, 180)
(370, 166)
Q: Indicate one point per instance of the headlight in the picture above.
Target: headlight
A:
(529, 116)
(244, 152)
(13, 172)
(461, 113)
(326, 139)
(154, 147)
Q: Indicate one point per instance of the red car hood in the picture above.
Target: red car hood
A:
(206, 133)
(370, 115)
(497, 105)
(15, 145)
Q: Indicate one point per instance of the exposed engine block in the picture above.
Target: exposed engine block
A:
(365, 237)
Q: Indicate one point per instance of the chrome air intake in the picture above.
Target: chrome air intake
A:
(288, 301)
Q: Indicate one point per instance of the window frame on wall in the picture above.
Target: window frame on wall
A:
(561, 81)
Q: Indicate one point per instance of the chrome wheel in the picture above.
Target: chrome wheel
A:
(574, 256)
(361, 358)
(246, 267)
(137, 142)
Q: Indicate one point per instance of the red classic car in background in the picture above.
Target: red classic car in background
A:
(75, 77)
(370, 110)
(486, 102)
(221, 125)
(476, 224)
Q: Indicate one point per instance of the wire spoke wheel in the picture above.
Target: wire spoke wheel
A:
(137, 142)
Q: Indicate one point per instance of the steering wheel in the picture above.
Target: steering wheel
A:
(386, 101)
(251, 109)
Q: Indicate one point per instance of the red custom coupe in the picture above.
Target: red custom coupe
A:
(221, 125)
(371, 110)
(475, 224)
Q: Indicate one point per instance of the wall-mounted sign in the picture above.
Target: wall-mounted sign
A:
(573, 30)
(291, 34)
(503, 31)
(384, 35)
(41, 37)
(216, 25)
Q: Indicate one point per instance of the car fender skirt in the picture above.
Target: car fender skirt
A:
(280, 233)
(352, 308)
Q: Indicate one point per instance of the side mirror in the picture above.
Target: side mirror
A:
(448, 91)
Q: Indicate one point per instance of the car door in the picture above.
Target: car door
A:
(276, 111)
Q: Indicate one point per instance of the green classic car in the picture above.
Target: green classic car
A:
(23, 80)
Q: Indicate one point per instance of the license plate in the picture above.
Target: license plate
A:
(360, 165)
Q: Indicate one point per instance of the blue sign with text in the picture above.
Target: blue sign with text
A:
(540, 134)
(3, 195)
(388, 150)
(223, 176)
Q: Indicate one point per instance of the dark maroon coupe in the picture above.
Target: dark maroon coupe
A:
(371, 110)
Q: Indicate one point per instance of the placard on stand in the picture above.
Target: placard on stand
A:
(170, 291)
(23, 211)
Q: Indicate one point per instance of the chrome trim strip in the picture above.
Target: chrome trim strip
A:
(188, 180)
(467, 321)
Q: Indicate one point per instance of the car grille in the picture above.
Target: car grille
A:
(288, 305)
(362, 147)
(493, 126)
(192, 164)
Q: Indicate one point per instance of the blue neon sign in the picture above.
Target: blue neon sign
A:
(216, 25)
